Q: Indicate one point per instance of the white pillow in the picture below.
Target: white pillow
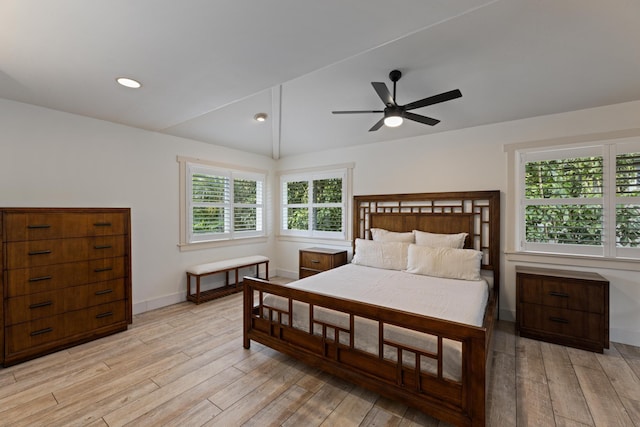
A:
(382, 235)
(440, 240)
(444, 262)
(387, 255)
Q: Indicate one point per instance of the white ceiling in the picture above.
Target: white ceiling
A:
(208, 66)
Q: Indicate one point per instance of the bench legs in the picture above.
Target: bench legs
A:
(203, 296)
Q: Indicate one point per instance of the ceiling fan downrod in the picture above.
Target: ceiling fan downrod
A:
(394, 76)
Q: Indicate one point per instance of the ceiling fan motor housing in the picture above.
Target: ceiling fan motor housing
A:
(395, 75)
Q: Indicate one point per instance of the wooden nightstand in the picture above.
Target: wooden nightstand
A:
(316, 260)
(564, 307)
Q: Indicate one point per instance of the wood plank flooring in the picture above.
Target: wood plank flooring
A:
(184, 365)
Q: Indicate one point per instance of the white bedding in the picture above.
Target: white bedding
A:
(460, 301)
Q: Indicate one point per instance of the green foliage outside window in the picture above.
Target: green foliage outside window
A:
(324, 191)
(628, 185)
(208, 189)
(579, 221)
(327, 191)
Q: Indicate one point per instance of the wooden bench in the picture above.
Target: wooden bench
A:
(225, 266)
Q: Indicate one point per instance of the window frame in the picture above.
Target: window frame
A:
(188, 167)
(344, 173)
(608, 149)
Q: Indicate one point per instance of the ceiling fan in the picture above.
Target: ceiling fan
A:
(394, 113)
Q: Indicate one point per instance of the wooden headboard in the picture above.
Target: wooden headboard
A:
(473, 212)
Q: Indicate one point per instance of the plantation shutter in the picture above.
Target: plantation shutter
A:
(628, 200)
(210, 203)
(563, 204)
(248, 196)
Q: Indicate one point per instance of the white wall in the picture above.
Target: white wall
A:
(474, 159)
(51, 158)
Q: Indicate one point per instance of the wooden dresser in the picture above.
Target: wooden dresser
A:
(317, 260)
(66, 278)
(563, 307)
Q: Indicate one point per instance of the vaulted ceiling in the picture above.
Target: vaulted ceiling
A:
(208, 66)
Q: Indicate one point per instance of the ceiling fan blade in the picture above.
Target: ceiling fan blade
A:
(357, 112)
(421, 119)
(377, 126)
(435, 99)
(383, 93)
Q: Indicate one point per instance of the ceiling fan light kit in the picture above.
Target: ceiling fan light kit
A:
(392, 118)
(394, 114)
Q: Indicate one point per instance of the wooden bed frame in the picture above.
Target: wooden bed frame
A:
(460, 402)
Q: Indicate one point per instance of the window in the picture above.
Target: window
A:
(583, 201)
(314, 204)
(223, 204)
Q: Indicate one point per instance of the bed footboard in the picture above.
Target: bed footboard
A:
(404, 377)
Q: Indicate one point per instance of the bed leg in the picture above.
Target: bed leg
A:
(247, 300)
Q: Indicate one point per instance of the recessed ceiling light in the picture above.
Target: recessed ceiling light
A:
(260, 117)
(127, 82)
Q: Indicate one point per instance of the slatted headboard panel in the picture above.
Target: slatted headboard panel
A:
(473, 212)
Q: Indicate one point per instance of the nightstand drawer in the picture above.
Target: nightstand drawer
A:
(317, 260)
(558, 292)
(567, 323)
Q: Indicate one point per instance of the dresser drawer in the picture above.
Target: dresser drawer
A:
(35, 306)
(40, 279)
(54, 330)
(101, 270)
(22, 226)
(34, 333)
(47, 252)
(94, 294)
(81, 321)
(106, 224)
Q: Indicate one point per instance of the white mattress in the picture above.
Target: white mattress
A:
(456, 300)
(450, 299)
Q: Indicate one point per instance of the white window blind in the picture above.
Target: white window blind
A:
(224, 204)
(581, 200)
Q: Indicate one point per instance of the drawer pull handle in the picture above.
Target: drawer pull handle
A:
(103, 315)
(104, 291)
(38, 279)
(99, 270)
(36, 226)
(102, 224)
(41, 331)
(558, 320)
(41, 304)
(558, 294)
(45, 252)
(315, 261)
(102, 247)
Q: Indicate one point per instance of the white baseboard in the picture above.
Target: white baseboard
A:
(152, 304)
(287, 274)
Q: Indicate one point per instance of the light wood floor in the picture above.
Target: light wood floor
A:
(184, 365)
